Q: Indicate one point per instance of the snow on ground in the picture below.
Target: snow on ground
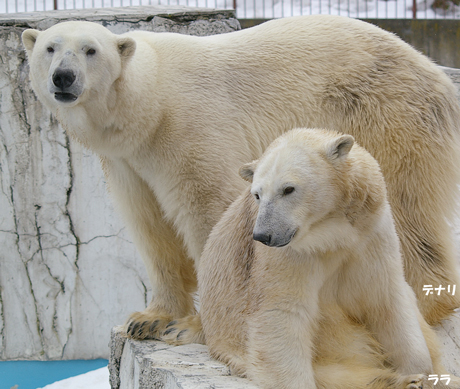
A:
(96, 379)
(391, 9)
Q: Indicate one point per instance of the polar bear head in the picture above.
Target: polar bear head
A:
(300, 181)
(73, 60)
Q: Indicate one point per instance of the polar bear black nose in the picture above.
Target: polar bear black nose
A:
(262, 237)
(63, 78)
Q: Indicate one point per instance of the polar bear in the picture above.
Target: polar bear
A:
(173, 117)
(305, 266)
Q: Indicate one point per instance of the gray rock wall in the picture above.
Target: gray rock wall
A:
(68, 270)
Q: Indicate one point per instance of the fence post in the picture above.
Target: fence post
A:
(414, 9)
(55, 4)
(234, 5)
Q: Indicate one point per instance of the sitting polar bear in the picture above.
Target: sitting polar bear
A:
(298, 310)
(173, 117)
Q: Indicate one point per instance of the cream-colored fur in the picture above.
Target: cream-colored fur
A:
(302, 308)
(173, 117)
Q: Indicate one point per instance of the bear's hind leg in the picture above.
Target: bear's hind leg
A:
(432, 245)
(423, 197)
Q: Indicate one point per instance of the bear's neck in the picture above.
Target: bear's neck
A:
(110, 125)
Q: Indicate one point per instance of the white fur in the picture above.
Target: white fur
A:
(345, 254)
(173, 117)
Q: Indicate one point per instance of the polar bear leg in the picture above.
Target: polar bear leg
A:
(422, 219)
(280, 347)
(170, 271)
(435, 352)
(185, 330)
(356, 376)
(389, 307)
(438, 268)
(395, 322)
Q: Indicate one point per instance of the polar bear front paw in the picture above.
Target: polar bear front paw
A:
(146, 325)
(184, 331)
(414, 381)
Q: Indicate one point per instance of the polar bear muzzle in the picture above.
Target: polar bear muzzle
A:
(63, 79)
(66, 81)
(273, 240)
(272, 228)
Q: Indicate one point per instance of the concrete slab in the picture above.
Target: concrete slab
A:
(152, 364)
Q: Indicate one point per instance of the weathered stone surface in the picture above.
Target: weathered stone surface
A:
(117, 343)
(68, 271)
(150, 364)
(181, 19)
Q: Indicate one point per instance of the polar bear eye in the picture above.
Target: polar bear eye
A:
(50, 50)
(256, 195)
(288, 190)
(91, 52)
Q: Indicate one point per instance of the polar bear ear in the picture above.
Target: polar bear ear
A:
(247, 170)
(340, 147)
(29, 37)
(126, 47)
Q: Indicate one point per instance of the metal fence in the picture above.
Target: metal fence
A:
(267, 9)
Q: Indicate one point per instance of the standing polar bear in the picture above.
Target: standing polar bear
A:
(173, 117)
(283, 314)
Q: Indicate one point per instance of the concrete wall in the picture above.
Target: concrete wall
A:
(438, 39)
(68, 270)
